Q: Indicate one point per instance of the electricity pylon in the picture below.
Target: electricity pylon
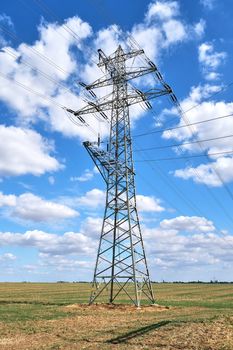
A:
(121, 266)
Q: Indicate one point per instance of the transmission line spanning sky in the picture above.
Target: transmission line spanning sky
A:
(51, 197)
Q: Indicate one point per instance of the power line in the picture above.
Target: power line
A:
(64, 26)
(137, 44)
(175, 102)
(199, 176)
(51, 100)
(182, 126)
(187, 200)
(172, 186)
(132, 39)
(27, 88)
(51, 13)
(229, 217)
(209, 97)
(45, 75)
(70, 31)
(192, 131)
(134, 44)
(185, 157)
(182, 144)
(34, 51)
(179, 192)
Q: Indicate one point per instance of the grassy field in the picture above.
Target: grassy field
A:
(55, 316)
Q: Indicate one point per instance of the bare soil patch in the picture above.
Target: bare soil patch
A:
(119, 307)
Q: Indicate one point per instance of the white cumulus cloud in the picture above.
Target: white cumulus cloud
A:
(148, 204)
(174, 31)
(214, 131)
(7, 200)
(28, 206)
(208, 173)
(53, 53)
(188, 223)
(49, 243)
(162, 9)
(92, 199)
(86, 176)
(24, 151)
(210, 60)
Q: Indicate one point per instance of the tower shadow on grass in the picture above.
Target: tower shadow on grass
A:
(137, 332)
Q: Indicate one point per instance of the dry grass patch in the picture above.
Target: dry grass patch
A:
(199, 319)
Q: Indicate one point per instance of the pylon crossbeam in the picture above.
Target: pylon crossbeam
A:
(129, 100)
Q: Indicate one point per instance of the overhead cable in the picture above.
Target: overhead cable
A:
(182, 126)
(27, 88)
(185, 157)
(183, 143)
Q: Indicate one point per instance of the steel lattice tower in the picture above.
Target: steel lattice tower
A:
(121, 266)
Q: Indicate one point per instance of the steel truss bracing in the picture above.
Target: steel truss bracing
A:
(121, 267)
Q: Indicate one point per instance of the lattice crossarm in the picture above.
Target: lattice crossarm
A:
(103, 160)
(129, 75)
(97, 156)
(123, 56)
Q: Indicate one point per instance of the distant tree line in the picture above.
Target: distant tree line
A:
(198, 281)
(171, 282)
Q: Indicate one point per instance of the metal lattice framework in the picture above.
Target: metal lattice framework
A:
(121, 266)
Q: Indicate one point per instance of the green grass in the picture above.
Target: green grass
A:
(36, 301)
(25, 301)
(25, 312)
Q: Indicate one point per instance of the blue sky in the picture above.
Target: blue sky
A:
(52, 197)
